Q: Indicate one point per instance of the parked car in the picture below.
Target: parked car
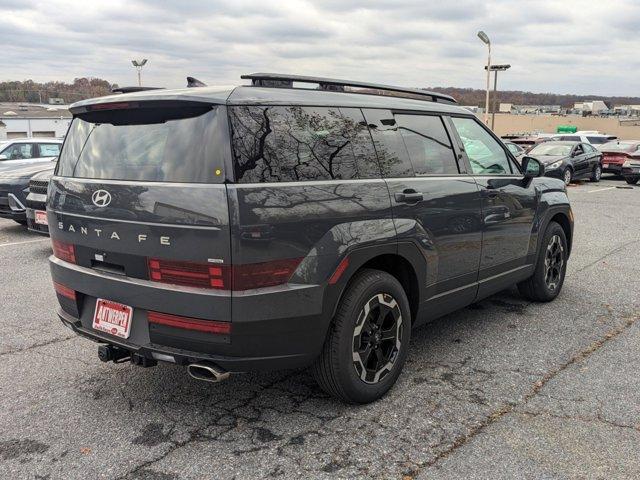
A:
(14, 186)
(569, 160)
(615, 154)
(268, 227)
(18, 152)
(590, 138)
(36, 202)
(516, 150)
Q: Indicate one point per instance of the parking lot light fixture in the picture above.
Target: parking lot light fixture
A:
(485, 39)
(139, 64)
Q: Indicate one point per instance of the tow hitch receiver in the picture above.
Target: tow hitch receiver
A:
(109, 353)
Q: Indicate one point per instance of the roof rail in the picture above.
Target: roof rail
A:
(133, 89)
(278, 80)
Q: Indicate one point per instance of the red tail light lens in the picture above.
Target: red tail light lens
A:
(190, 274)
(188, 323)
(342, 266)
(64, 251)
(265, 274)
(64, 291)
(223, 277)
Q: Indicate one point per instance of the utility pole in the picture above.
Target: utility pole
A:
(485, 39)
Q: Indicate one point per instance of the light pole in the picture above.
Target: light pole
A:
(139, 64)
(496, 69)
(485, 39)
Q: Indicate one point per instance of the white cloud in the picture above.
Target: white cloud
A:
(562, 47)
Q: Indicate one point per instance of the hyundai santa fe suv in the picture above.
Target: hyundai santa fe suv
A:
(271, 226)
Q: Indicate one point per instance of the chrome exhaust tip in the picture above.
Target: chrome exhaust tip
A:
(207, 372)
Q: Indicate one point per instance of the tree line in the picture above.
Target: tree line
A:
(28, 91)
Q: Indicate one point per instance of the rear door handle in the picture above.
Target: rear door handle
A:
(409, 196)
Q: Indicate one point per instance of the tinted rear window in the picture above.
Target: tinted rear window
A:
(293, 143)
(155, 145)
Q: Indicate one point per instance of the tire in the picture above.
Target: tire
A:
(631, 180)
(567, 175)
(546, 282)
(596, 174)
(352, 333)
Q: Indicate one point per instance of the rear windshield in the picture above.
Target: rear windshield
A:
(153, 145)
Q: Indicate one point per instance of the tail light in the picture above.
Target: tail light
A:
(222, 277)
(188, 323)
(189, 274)
(64, 291)
(64, 251)
(265, 274)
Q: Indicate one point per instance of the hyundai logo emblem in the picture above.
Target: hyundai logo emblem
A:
(101, 198)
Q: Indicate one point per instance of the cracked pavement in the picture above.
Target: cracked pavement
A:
(502, 389)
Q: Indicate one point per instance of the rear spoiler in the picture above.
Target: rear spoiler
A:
(133, 89)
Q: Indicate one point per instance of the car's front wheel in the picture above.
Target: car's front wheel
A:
(368, 340)
(596, 174)
(567, 176)
(547, 279)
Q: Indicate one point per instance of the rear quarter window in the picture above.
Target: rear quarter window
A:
(294, 143)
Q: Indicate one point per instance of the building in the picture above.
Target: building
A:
(627, 110)
(593, 107)
(528, 109)
(34, 120)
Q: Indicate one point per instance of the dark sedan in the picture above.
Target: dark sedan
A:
(569, 161)
(14, 187)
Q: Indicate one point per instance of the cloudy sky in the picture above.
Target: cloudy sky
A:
(586, 47)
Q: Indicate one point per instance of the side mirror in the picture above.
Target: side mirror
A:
(532, 167)
(4, 157)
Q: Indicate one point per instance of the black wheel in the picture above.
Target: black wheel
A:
(547, 279)
(631, 180)
(368, 340)
(567, 176)
(596, 174)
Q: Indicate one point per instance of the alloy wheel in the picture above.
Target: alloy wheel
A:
(553, 263)
(567, 176)
(598, 172)
(377, 338)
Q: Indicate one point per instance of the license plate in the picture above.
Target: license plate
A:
(606, 165)
(41, 217)
(113, 317)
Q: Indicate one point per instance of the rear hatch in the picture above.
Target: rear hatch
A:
(139, 195)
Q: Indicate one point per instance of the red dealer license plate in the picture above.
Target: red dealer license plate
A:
(113, 317)
(41, 217)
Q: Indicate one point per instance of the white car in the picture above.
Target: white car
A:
(24, 151)
(591, 137)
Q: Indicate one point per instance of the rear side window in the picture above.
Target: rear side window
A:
(485, 153)
(390, 148)
(154, 145)
(428, 144)
(294, 143)
(49, 149)
(597, 140)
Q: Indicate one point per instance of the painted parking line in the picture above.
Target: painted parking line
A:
(22, 243)
(600, 189)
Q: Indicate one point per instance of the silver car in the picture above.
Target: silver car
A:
(19, 152)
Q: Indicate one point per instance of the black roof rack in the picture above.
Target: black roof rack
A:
(133, 89)
(280, 80)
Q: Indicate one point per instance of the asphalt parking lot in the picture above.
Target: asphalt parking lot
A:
(502, 389)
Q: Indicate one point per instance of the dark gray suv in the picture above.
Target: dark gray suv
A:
(272, 226)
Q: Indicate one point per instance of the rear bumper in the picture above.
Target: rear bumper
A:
(272, 329)
(612, 168)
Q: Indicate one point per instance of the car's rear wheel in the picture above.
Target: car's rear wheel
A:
(631, 180)
(547, 279)
(596, 174)
(368, 340)
(567, 176)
